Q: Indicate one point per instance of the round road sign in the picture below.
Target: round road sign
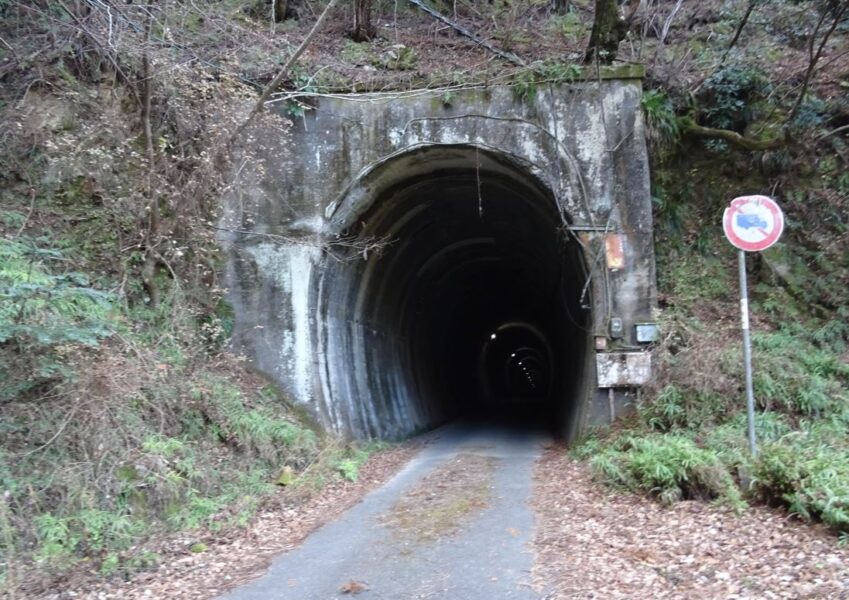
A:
(753, 223)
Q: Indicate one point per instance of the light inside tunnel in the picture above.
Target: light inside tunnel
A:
(474, 309)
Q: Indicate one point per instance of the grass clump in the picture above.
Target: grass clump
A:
(808, 472)
(119, 422)
(669, 467)
(688, 438)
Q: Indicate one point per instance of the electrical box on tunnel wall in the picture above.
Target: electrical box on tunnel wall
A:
(395, 217)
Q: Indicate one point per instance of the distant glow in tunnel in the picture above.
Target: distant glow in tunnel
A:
(466, 312)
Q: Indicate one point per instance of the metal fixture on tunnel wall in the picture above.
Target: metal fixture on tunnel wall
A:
(389, 272)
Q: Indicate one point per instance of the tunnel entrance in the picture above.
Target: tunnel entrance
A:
(477, 306)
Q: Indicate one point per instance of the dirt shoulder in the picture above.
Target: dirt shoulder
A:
(238, 556)
(593, 542)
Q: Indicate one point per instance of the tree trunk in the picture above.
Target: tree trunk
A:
(152, 235)
(280, 8)
(363, 30)
(561, 7)
(609, 28)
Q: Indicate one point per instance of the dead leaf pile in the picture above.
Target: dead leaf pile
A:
(594, 542)
(444, 500)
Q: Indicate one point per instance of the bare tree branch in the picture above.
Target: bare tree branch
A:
(690, 127)
(284, 71)
(363, 246)
(815, 57)
(509, 56)
(833, 132)
(743, 22)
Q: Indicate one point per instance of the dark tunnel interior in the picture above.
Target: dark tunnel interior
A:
(475, 309)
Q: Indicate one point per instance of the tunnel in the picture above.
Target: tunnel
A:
(474, 304)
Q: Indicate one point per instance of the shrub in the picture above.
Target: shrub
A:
(669, 467)
(728, 95)
(810, 478)
(41, 314)
(662, 127)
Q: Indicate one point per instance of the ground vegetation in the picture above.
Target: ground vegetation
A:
(124, 124)
(709, 124)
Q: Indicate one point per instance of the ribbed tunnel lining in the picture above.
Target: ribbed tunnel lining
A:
(474, 309)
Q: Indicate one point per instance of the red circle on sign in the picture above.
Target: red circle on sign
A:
(753, 223)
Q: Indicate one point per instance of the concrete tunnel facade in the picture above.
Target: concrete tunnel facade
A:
(413, 258)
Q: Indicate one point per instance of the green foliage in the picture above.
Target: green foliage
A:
(834, 333)
(667, 411)
(729, 440)
(797, 376)
(399, 57)
(812, 113)
(694, 279)
(43, 314)
(663, 131)
(525, 86)
(671, 212)
(165, 447)
(353, 457)
(89, 530)
(808, 476)
(44, 308)
(205, 456)
(110, 564)
(349, 469)
(526, 83)
(358, 53)
(257, 429)
(669, 467)
(729, 94)
(570, 25)
(12, 219)
(302, 81)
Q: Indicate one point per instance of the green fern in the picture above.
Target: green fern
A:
(40, 307)
(662, 129)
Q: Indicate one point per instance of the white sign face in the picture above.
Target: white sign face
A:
(618, 369)
(753, 223)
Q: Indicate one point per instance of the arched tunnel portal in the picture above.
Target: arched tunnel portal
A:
(513, 268)
(476, 305)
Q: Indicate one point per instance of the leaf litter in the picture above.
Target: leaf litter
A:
(595, 542)
(442, 502)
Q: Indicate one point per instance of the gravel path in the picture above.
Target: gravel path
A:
(593, 542)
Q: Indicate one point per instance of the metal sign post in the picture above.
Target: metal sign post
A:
(751, 224)
(747, 351)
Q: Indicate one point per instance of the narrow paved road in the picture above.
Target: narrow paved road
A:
(454, 523)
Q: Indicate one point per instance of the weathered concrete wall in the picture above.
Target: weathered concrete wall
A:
(582, 142)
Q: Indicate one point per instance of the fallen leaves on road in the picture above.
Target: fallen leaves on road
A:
(353, 587)
(441, 502)
(594, 542)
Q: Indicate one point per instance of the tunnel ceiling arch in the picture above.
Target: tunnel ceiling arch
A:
(477, 266)
(495, 288)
